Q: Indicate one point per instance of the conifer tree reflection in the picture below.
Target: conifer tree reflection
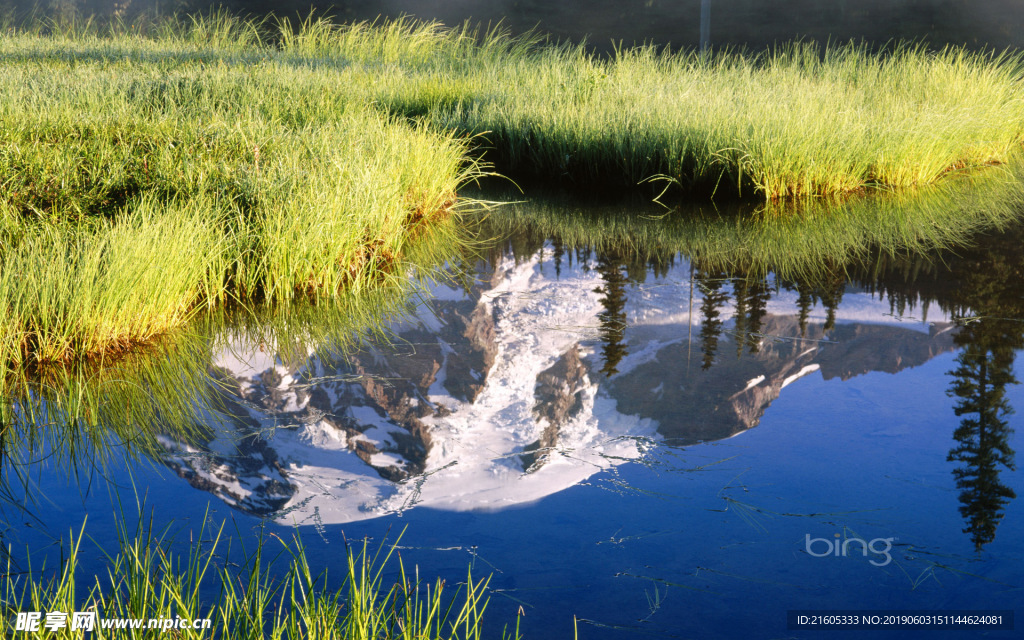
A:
(804, 302)
(712, 300)
(984, 369)
(613, 317)
(739, 287)
(980, 379)
(752, 296)
(831, 296)
(758, 295)
(559, 252)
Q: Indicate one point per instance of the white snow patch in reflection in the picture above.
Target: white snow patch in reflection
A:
(811, 368)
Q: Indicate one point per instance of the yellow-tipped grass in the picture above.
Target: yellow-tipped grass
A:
(74, 292)
(303, 159)
(801, 121)
(345, 208)
(146, 177)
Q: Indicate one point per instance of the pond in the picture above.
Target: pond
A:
(636, 421)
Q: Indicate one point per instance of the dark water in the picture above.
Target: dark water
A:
(634, 436)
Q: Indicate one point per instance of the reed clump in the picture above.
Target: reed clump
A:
(208, 592)
(148, 177)
(800, 120)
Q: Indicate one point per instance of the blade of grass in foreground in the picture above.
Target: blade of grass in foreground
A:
(280, 598)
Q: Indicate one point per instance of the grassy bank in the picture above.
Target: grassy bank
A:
(801, 120)
(150, 171)
(145, 178)
(266, 592)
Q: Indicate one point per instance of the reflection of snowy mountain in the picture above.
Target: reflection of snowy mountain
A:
(496, 397)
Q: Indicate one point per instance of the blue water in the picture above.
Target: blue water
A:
(702, 541)
(690, 539)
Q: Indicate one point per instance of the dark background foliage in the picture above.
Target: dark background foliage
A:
(752, 23)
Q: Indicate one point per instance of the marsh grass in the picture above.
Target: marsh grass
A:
(149, 177)
(72, 292)
(270, 592)
(800, 120)
(154, 170)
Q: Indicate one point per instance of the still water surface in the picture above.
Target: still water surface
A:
(650, 440)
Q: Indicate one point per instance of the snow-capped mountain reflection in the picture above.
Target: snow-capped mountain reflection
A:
(502, 395)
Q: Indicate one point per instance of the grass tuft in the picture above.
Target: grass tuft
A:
(149, 176)
(267, 595)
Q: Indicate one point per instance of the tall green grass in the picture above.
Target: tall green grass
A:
(66, 292)
(149, 171)
(268, 594)
(800, 120)
(146, 178)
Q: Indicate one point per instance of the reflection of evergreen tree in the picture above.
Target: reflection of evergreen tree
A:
(636, 269)
(826, 287)
(613, 318)
(990, 292)
(980, 381)
(752, 296)
(559, 252)
(739, 289)
(804, 302)
(758, 295)
(660, 262)
(712, 300)
(831, 296)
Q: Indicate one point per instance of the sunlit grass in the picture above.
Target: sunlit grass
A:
(149, 171)
(147, 178)
(802, 120)
(67, 292)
